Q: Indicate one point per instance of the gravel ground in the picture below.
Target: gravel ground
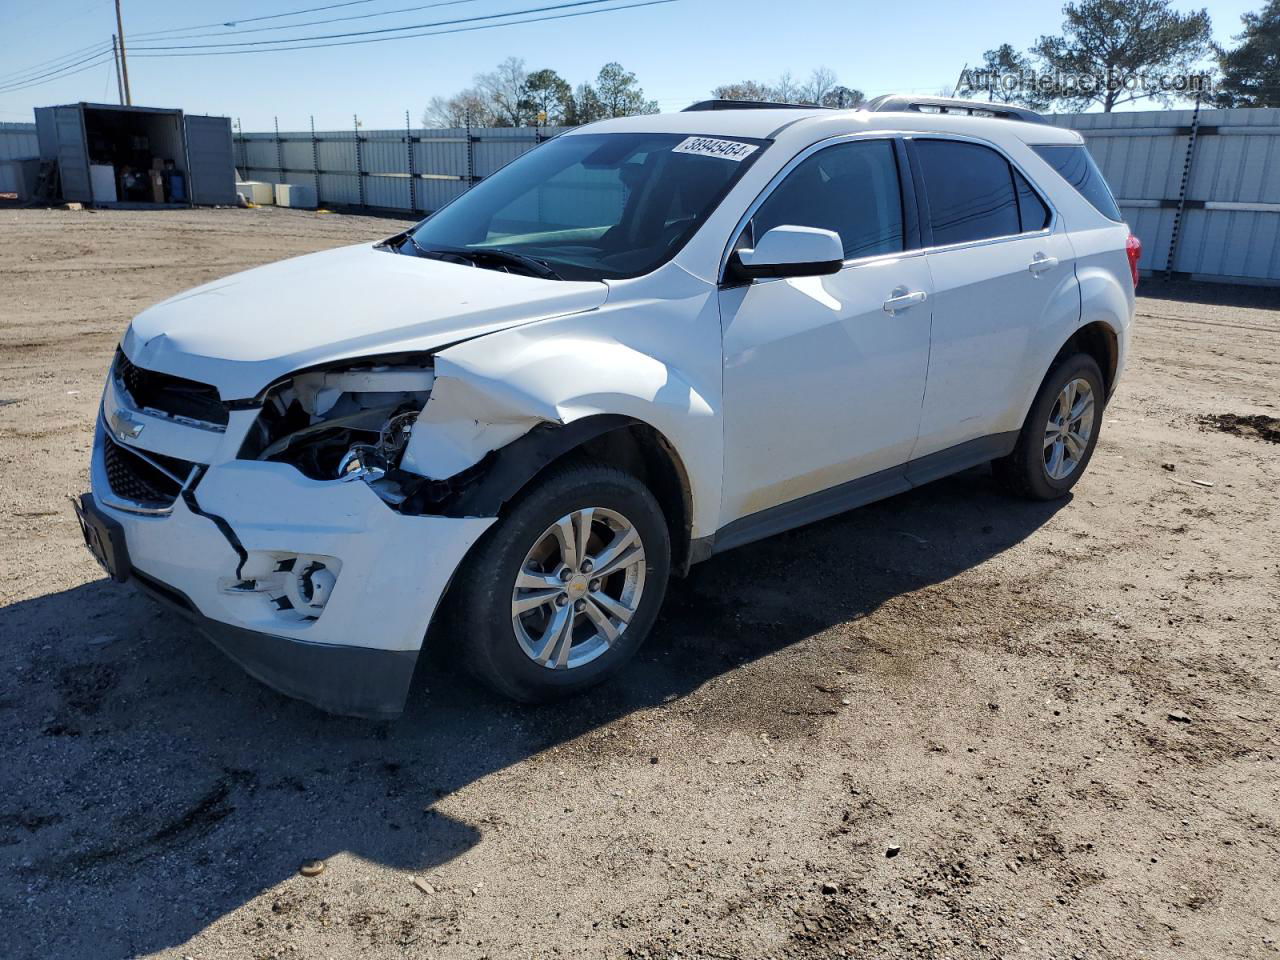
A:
(947, 725)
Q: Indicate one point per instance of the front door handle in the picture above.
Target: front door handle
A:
(1040, 263)
(902, 300)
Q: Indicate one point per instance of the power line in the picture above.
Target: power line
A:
(312, 23)
(53, 74)
(270, 16)
(381, 30)
(432, 33)
(105, 58)
(52, 62)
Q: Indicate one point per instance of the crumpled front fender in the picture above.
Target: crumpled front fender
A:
(650, 356)
(473, 412)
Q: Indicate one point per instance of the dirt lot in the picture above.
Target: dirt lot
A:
(948, 725)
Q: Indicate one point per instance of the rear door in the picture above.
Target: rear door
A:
(1004, 282)
(211, 168)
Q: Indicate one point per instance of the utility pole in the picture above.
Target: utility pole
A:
(124, 60)
(115, 55)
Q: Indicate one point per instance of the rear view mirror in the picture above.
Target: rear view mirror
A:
(789, 251)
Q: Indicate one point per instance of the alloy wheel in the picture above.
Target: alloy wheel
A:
(1070, 426)
(578, 588)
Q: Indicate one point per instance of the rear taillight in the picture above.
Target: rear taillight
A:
(1133, 247)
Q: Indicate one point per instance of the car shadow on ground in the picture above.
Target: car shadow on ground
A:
(153, 787)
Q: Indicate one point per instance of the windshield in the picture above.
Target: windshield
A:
(589, 206)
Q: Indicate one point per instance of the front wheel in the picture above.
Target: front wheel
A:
(1057, 440)
(563, 589)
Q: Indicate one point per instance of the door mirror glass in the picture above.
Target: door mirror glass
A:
(790, 251)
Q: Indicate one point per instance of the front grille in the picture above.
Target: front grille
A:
(133, 478)
(169, 395)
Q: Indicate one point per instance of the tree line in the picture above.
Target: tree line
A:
(512, 96)
(823, 88)
(1118, 43)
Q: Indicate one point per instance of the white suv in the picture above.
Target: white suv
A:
(642, 343)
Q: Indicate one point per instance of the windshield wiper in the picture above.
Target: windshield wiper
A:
(539, 268)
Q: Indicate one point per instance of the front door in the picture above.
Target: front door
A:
(824, 376)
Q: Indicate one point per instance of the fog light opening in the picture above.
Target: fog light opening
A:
(297, 586)
(308, 585)
(316, 585)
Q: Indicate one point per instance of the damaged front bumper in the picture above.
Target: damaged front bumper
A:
(317, 588)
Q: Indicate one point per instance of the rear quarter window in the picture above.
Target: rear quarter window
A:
(1076, 166)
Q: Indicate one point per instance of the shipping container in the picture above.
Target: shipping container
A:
(157, 156)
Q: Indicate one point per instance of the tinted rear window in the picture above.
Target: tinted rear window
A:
(970, 192)
(1079, 170)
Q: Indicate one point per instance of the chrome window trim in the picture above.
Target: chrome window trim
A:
(1054, 218)
(767, 191)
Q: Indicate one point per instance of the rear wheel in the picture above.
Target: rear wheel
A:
(566, 586)
(1061, 430)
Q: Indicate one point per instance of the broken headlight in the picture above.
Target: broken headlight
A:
(348, 423)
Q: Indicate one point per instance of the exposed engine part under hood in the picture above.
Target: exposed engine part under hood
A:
(247, 330)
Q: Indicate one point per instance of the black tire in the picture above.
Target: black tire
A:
(482, 621)
(1023, 472)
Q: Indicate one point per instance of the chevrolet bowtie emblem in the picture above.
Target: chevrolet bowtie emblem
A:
(124, 426)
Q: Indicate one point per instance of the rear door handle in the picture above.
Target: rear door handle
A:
(903, 300)
(1040, 263)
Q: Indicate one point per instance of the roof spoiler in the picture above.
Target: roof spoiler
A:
(901, 103)
(748, 105)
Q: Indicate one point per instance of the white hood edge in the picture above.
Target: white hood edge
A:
(245, 331)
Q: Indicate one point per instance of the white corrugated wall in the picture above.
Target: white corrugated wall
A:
(379, 175)
(17, 141)
(1230, 223)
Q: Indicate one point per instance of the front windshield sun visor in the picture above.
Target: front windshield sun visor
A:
(603, 206)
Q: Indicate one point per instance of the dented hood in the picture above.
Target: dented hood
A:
(247, 330)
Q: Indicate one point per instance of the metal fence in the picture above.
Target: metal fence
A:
(414, 170)
(1200, 188)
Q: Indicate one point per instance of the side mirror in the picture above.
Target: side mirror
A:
(791, 252)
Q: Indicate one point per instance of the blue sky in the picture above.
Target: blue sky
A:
(678, 50)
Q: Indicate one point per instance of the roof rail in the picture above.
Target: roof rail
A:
(748, 105)
(899, 102)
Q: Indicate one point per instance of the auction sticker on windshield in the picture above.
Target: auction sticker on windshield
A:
(707, 147)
